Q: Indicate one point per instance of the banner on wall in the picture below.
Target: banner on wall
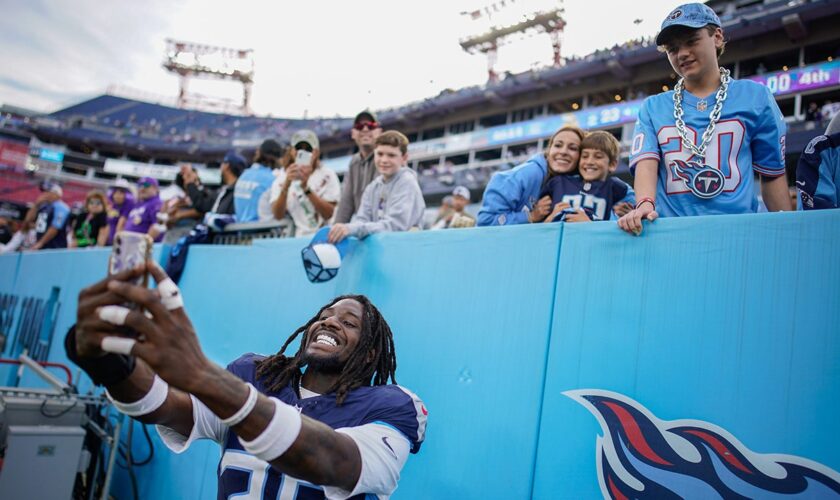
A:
(814, 77)
(162, 172)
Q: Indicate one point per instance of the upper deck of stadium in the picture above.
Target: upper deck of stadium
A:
(490, 126)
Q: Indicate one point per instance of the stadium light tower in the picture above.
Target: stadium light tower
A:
(540, 21)
(190, 60)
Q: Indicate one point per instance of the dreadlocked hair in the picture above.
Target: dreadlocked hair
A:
(279, 370)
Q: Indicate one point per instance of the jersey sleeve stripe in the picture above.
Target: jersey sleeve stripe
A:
(768, 172)
(644, 156)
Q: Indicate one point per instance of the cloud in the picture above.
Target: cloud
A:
(325, 57)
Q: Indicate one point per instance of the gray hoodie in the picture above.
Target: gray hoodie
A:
(395, 205)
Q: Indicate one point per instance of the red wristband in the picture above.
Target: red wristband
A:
(646, 199)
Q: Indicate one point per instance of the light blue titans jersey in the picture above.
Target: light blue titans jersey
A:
(252, 185)
(750, 136)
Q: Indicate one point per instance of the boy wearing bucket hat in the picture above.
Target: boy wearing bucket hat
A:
(695, 148)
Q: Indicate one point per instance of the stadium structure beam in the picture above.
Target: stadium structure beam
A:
(193, 60)
(488, 43)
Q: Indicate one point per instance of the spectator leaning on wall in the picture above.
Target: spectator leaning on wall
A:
(50, 215)
(90, 229)
(143, 216)
(361, 171)
(307, 192)
(512, 196)
(393, 201)
(678, 181)
(121, 202)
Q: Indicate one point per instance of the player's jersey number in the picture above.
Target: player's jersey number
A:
(259, 482)
(41, 222)
(721, 154)
(594, 203)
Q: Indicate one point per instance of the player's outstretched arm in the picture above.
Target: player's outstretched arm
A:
(267, 428)
(128, 380)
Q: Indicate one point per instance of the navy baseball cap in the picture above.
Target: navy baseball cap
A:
(236, 161)
(690, 15)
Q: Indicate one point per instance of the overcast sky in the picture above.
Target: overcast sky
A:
(322, 57)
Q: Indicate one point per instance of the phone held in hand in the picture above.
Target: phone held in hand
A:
(303, 157)
(129, 251)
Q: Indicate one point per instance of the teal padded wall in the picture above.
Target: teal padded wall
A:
(730, 320)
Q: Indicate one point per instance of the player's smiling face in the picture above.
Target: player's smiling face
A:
(333, 337)
(595, 165)
(563, 152)
(693, 53)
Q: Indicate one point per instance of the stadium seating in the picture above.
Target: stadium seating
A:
(22, 188)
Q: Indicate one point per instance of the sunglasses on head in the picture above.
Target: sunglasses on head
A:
(361, 125)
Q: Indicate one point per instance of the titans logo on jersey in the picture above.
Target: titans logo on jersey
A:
(750, 137)
(597, 198)
(243, 475)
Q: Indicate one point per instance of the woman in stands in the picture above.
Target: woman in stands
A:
(90, 228)
(121, 204)
(511, 197)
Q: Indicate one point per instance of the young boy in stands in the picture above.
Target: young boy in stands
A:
(592, 194)
(696, 148)
(393, 201)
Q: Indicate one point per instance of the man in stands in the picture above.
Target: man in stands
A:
(50, 214)
(362, 169)
(393, 201)
(143, 216)
(251, 195)
(322, 423)
(217, 201)
(458, 216)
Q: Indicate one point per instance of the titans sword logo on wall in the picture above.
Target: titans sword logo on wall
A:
(642, 457)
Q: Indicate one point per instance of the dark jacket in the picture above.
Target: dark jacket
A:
(205, 200)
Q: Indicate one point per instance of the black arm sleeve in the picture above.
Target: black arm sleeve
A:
(202, 199)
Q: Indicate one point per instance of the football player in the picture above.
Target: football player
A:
(322, 423)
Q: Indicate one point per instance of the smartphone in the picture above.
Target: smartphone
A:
(303, 157)
(129, 251)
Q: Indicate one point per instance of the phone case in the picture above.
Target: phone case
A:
(303, 157)
(129, 251)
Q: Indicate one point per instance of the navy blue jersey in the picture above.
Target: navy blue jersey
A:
(596, 198)
(818, 173)
(390, 405)
(55, 215)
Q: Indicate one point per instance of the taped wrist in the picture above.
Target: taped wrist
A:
(278, 436)
(105, 370)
